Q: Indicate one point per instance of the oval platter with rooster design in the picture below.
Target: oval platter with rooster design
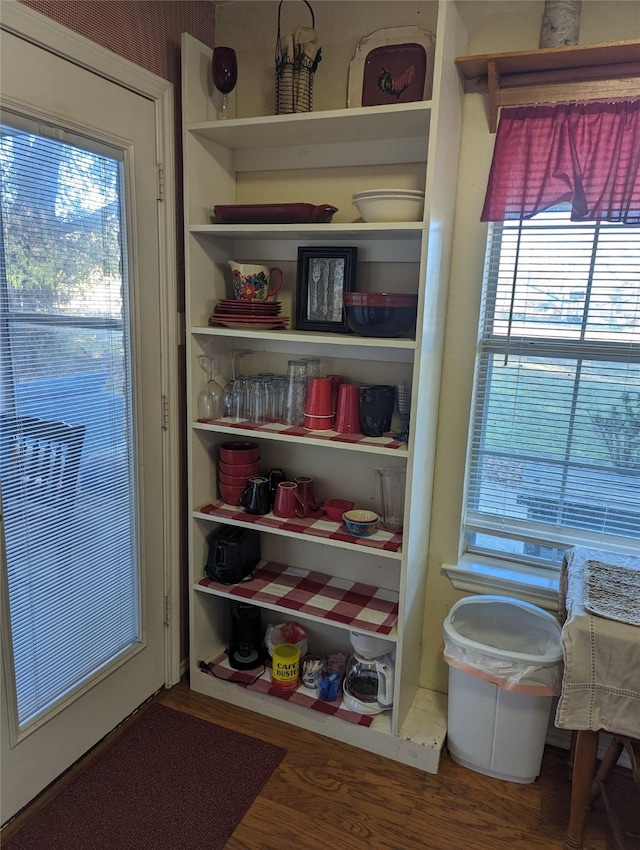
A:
(393, 65)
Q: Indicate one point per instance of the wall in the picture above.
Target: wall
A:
(143, 31)
(493, 27)
(148, 34)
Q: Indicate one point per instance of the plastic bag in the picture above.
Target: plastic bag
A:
(508, 642)
(286, 633)
(508, 675)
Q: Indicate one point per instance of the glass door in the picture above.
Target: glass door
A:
(84, 446)
(66, 430)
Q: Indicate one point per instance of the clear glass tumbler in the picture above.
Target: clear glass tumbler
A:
(393, 480)
(296, 394)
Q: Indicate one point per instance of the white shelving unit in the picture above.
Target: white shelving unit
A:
(263, 160)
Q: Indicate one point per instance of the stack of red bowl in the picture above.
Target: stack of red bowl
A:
(238, 461)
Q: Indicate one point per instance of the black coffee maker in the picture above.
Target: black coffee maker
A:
(246, 649)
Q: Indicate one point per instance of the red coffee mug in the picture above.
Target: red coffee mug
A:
(307, 493)
(289, 502)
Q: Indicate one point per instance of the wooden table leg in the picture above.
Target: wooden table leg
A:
(584, 767)
(607, 764)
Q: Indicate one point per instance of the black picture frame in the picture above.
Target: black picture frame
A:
(322, 275)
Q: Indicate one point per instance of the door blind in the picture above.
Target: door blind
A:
(66, 451)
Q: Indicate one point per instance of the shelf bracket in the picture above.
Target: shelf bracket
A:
(493, 82)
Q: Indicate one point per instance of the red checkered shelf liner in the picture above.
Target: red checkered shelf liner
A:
(315, 525)
(387, 441)
(362, 607)
(220, 668)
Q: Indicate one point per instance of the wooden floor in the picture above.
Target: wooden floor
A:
(325, 794)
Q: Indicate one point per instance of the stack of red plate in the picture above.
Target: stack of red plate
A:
(233, 313)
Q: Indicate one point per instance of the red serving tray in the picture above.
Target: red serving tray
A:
(273, 214)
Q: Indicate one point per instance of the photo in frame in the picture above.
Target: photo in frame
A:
(322, 276)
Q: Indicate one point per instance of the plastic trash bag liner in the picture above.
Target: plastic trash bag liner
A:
(506, 641)
(286, 633)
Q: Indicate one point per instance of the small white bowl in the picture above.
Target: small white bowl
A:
(390, 207)
(360, 523)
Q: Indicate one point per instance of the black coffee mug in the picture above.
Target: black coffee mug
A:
(276, 475)
(256, 498)
(376, 409)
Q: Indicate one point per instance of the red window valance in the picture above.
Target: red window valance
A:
(584, 154)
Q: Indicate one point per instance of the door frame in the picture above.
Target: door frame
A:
(37, 29)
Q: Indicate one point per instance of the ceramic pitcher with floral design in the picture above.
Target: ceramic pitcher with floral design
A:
(251, 282)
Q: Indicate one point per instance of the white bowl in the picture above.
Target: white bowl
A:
(390, 208)
(391, 193)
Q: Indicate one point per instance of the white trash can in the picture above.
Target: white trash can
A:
(505, 667)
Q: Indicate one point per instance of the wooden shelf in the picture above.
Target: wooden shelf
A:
(370, 123)
(316, 596)
(405, 231)
(386, 444)
(220, 668)
(385, 344)
(583, 72)
(316, 525)
(264, 158)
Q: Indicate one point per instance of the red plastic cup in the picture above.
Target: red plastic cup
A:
(348, 412)
(336, 381)
(319, 398)
(318, 423)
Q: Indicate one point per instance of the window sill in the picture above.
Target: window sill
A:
(475, 575)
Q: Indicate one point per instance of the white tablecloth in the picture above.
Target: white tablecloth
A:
(601, 680)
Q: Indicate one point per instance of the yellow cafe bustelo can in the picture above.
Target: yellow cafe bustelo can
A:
(285, 671)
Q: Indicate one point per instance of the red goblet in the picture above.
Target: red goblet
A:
(224, 69)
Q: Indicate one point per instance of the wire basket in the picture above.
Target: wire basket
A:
(294, 73)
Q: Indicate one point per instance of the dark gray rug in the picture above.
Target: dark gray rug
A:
(170, 781)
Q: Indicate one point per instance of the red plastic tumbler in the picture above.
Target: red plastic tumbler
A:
(348, 413)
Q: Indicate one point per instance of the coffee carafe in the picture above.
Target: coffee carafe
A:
(368, 681)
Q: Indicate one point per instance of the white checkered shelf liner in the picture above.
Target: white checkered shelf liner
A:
(315, 525)
(387, 441)
(361, 607)
(260, 681)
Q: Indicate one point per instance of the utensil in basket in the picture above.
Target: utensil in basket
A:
(296, 60)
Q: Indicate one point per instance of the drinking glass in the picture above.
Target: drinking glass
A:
(313, 368)
(239, 402)
(230, 407)
(296, 394)
(210, 398)
(224, 69)
(403, 405)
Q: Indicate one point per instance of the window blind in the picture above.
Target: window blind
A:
(554, 456)
(66, 450)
